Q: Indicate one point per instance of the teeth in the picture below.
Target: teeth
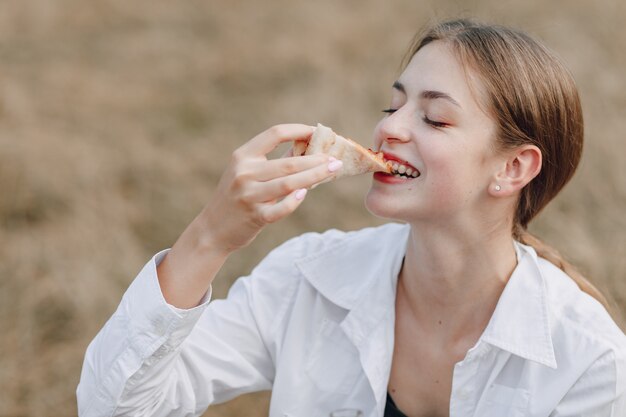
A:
(402, 171)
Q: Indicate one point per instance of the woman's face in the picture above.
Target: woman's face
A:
(435, 125)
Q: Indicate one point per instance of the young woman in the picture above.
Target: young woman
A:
(452, 313)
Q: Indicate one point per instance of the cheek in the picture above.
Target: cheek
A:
(378, 137)
(456, 175)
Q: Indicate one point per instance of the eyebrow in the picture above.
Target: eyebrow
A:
(427, 94)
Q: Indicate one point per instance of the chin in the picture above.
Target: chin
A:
(403, 208)
(381, 207)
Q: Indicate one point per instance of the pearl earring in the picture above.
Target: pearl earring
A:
(497, 187)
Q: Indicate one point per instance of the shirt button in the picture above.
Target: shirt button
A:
(160, 352)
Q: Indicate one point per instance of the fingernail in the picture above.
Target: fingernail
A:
(300, 193)
(331, 159)
(335, 165)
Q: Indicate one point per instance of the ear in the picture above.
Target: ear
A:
(521, 165)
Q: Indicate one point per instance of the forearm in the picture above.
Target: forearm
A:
(188, 270)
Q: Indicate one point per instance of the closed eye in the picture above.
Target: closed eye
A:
(426, 120)
(433, 122)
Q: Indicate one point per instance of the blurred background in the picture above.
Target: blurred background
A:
(117, 118)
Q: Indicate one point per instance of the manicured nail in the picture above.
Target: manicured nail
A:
(300, 193)
(335, 165)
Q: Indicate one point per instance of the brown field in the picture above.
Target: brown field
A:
(117, 117)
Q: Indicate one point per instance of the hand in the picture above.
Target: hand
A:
(255, 191)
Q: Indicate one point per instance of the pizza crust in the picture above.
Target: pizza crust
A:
(356, 159)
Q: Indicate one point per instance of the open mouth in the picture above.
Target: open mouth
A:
(401, 168)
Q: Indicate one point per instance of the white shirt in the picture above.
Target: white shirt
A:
(314, 322)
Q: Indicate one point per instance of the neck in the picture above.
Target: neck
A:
(450, 282)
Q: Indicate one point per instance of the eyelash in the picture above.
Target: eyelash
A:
(426, 120)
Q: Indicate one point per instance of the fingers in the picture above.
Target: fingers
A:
(267, 141)
(288, 153)
(268, 170)
(271, 213)
(279, 187)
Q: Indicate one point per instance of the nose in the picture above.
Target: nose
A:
(393, 128)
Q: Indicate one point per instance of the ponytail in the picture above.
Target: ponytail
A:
(552, 255)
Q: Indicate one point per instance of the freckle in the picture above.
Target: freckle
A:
(439, 321)
(393, 390)
(436, 381)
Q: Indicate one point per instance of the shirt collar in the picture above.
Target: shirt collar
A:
(520, 323)
(359, 274)
(372, 256)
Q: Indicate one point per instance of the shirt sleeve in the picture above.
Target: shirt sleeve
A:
(156, 360)
(599, 392)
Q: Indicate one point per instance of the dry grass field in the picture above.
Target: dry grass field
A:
(117, 117)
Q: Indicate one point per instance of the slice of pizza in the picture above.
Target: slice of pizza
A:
(356, 159)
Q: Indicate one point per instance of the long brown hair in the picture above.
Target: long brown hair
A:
(534, 100)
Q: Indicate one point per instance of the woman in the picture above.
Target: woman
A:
(450, 314)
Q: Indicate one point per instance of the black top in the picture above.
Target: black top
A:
(391, 410)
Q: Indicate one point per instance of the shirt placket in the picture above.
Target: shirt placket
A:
(463, 396)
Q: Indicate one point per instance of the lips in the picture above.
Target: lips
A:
(401, 167)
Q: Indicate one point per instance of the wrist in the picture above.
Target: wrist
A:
(206, 236)
(190, 267)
